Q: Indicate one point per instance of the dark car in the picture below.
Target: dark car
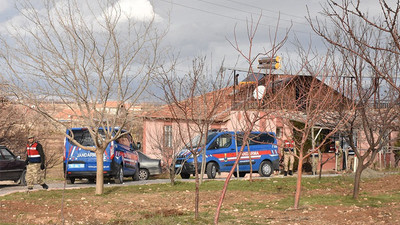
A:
(148, 166)
(11, 166)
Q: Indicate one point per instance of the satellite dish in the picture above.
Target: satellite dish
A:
(259, 92)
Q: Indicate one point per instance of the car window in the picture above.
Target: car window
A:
(256, 139)
(6, 154)
(261, 139)
(223, 141)
(143, 156)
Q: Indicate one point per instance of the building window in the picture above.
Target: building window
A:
(168, 136)
(278, 132)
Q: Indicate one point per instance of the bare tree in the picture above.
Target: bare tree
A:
(252, 108)
(368, 47)
(193, 102)
(83, 54)
(167, 150)
(13, 126)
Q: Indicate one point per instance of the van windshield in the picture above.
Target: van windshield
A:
(83, 137)
(196, 140)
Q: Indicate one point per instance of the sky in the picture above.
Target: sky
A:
(205, 28)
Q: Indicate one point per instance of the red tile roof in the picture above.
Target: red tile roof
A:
(200, 107)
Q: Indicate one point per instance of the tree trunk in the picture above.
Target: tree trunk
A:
(298, 184)
(99, 172)
(196, 197)
(228, 178)
(172, 175)
(357, 179)
(203, 164)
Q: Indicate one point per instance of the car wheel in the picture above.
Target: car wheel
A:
(136, 175)
(211, 170)
(143, 174)
(22, 180)
(265, 169)
(119, 177)
(91, 180)
(70, 180)
(185, 175)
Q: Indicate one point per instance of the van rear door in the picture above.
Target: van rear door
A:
(79, 159)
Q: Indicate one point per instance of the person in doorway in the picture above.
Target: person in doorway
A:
(288, 157)
(339, 156)
(314, 161)
(35, 161)
(350, 159)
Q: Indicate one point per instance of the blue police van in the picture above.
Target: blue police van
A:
(221, 152)
(120, 158)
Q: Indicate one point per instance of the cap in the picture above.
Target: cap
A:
(31, 136)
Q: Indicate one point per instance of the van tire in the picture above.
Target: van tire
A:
(70, 180)
(265, 169)
(119, 177)
(241, 174)
(136, 175)
(185, 175)
(211, 170)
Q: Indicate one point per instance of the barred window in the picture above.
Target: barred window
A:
(168, 136)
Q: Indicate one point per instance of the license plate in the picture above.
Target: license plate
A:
(74, 166)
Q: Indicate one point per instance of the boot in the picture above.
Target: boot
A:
(285, 173)
(45, 186)
(290, 173)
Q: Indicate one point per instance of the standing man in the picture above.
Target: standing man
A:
(350, 159)
(314, 161)
(35, 163)
(288, 157)
(339, 156)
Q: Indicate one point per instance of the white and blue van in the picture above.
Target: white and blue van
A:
(120, 160)
(222, 149)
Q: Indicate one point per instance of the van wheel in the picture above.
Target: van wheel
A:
(136, 175)
(211, 170)
(185, 175)
(22, 180)
(143, 174)
(119, 177)
(265, 169)
(70, 180)
(241, 174)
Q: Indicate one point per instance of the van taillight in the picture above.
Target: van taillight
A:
(112, 150)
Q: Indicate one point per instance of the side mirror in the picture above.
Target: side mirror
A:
(139, 145)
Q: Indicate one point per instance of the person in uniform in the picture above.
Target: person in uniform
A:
(288, 157)
(314, 161)
(35, 161)
(350, 159)
(339, 156)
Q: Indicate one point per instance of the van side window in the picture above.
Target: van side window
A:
(239, 140)
(223, 141)
(261, 139)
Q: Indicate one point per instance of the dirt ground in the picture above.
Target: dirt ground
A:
(248, 207)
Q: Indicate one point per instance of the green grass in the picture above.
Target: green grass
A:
(282, 189)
